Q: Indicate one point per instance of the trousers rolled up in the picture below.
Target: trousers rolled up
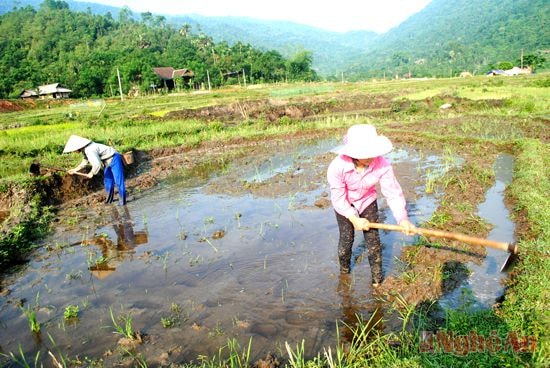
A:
(114, 175)
(372, 238)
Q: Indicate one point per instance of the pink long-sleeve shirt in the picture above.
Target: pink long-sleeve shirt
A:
(350, 187)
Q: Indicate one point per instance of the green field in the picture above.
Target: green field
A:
(508, 114)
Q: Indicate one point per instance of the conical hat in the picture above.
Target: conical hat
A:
(74, 143)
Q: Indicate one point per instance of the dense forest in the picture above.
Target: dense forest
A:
(82, 51)
(451, 36)
(81, 45)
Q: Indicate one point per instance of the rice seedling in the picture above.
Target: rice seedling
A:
(71, 312)
(21, 360)
(164, 260)
(124, 328)
(217, 330)
(34, 325)
(175, 318)
(168, 322)
(74, 275)
(95, 262)
(85, 304)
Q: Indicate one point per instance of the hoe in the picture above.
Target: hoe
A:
(511, 248)
(34, 169)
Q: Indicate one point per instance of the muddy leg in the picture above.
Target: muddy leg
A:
(345, 242)
(372, 238)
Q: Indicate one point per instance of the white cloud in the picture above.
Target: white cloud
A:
(340, 16)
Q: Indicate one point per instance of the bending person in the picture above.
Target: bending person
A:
(99, 156)
(352, 177)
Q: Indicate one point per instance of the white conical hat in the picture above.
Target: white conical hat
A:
(74, 143)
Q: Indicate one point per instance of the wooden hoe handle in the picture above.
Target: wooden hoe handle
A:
(509, 247)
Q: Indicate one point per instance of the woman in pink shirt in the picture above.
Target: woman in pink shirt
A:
(352, 177)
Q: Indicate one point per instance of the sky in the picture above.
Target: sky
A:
(340, 16)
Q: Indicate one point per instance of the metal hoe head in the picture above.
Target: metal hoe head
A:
(512, 257)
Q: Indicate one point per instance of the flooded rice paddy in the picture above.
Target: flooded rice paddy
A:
(243, 248)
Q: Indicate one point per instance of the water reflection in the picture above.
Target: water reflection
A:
(350, 310)
(354, 327)
(127, 239)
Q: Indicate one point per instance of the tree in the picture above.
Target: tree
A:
(505, 65)
(185, 30)
(533, 61)
(54, 4)
(299, 67)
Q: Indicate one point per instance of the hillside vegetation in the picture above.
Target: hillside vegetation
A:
(83, 52)
(445, 38)
(448, 37)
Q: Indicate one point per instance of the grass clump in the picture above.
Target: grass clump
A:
(32, 223)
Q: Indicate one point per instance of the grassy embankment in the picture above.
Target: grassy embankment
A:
(517, 123)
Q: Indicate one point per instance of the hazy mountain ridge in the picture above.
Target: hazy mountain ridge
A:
(331, 50)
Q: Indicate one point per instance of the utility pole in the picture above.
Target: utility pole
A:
(119, 85)
(208, 77)
(244, 78)
(521, 58)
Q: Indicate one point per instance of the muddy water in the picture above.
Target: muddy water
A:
(484, 285)
(213, 256)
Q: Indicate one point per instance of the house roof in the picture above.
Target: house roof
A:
(183, 73)
(167, 72)
(49, 89)
(28, 93)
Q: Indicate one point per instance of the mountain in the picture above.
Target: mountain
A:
(445, 38)
(8, 5)
(331, 50)
(449, 36)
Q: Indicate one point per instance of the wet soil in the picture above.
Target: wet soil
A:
(235, 172)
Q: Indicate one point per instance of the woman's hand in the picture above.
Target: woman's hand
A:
(408, 227)
(359, 223)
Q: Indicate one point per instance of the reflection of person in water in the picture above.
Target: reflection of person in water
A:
(353, 176)
(351, 316)
(127, 240)
(349, 306)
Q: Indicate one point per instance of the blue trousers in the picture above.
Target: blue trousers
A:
(114, 174)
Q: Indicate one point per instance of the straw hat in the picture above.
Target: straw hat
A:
(362, 141)
(75, 143)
